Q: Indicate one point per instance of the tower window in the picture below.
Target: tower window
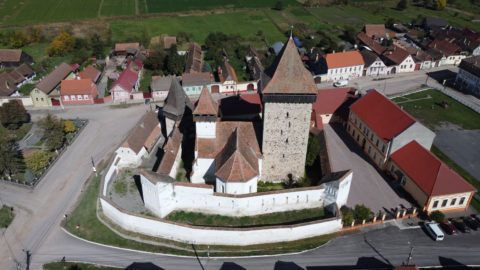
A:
(281, 132)
(289, 124)
(287, 115)
(286, 141)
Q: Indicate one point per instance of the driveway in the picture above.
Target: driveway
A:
(462, 146)
(369, 187)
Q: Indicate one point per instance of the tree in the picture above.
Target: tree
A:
(183, 37)
(97, 46)
(389, 22)
(175, 62)
(16, 39)
(53, 132)
(69, 126)
(313, 149)
(156, 59)
(35, 34)
(13, 115)
(437, 216)
(79, 56)
(361, 212)
(279, 5)
(347, 215)
(402, 5)
(38, 161)
(11, 161)
(63, 43)
(349, 34)
(441, 4)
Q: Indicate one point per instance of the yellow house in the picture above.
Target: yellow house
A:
(432, 184)
(46, 93)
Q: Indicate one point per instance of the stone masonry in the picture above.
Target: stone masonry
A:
(285, 138)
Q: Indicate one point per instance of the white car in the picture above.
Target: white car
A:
(340, 83)
(434, 230)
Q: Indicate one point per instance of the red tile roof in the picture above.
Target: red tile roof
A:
(370, 43)
(127, 80)
(329, 100)
(396, 55)
(206, 105)
(344, 59)
(375, 30)
(90, 73)
(381, 115)
(10, 55)
(430, 174)
(121, 47)
(78, 87)
(444, 47)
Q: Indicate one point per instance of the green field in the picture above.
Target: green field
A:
(425, 106)
(155, 6)
(245, 24)
(117, 8)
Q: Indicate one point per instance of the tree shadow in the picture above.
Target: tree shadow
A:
(143, 266)
(362, 263)
(449, 263)
(138, 184)
(281, 265)
(231, 266)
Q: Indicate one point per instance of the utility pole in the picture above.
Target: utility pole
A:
(28, 259)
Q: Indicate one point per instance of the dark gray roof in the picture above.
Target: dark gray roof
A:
(161, 83)
(369, 57)
(434, 22)
(177, 100)
(471, 65)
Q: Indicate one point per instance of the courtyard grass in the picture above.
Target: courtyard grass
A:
(92, 229)
(426, 107)
(282, 218)
(6, 216)
(75, 266)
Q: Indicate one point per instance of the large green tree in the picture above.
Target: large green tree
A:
(13, 114)
(53, 132)
(11, 161)
(175, 62)
(97, 46)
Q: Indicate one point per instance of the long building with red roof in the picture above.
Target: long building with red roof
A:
(431, 182)
(381, 127)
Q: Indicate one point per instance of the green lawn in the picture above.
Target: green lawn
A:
(92, 229)
(245, 24)
(117, 8)
(155, 6)
(16, 134)
(425, 106)
(6, 216)
(75, 266)
(289, 217)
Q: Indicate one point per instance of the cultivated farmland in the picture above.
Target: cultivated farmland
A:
(155, 6)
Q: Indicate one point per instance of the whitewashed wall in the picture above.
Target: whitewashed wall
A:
(26, 101)
(129, 158)
(246, 187)
(218, 236)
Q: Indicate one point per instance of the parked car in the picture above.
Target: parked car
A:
(434, 230)
(471, 222)
(340, 83)
(448, 227)
(461, 226)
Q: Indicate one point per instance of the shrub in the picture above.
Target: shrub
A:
(361, 212)
(347, 215)
(437, 216)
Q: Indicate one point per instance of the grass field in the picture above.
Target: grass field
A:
(425, 106)
(155, 6)
(245, 24)
(6, 216)
(117, 8)
(75, 266)
(289, 217)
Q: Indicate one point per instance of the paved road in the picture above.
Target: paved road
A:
(39, 212)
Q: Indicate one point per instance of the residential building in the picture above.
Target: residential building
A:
(128, 82)
(370, 43)
(14, 58)
(254, 65)
(399, 60)
(159, 86)
(288, 91)
(78, 92)
(430, 23)
(11, 81)
(228, 78)
(423, 60)
(140, 141)
(380, 127)
(194, 82)
(344, 65)
(451, 53)
(194, 61)
(468, 76)
(7, 85)
(432, 184)
(374, 65)
(332, 105)
(47, 92)
(126, 48)
(375, 31)
(169, 41)
(91, 73)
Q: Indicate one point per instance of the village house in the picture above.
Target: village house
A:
(331, 106)
(47, 92)
(78, 92)
(370, 44)
(194, 61)
(11, 81)
(380, 127)
(375, 31)
(468, 76)
(14, 58)
(91, 73)
(194, 82)
(423, 60)
(451, 53)
(126, 48)
(128, 82)
(254, 65)
(140, 141)
(432, 184)
(159, 86)
(228, 78)
(399, 60)
(344, 66)
(432, 23)
(169, 41)
(374, 65)
(467, 39)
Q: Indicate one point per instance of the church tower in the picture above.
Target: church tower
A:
(288, 91)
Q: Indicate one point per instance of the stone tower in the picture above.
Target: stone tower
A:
(176, 105)
(288, 91)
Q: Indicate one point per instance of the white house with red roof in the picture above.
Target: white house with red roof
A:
(380, 127)
(78, 92)
(344, 66)
(432, 184)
